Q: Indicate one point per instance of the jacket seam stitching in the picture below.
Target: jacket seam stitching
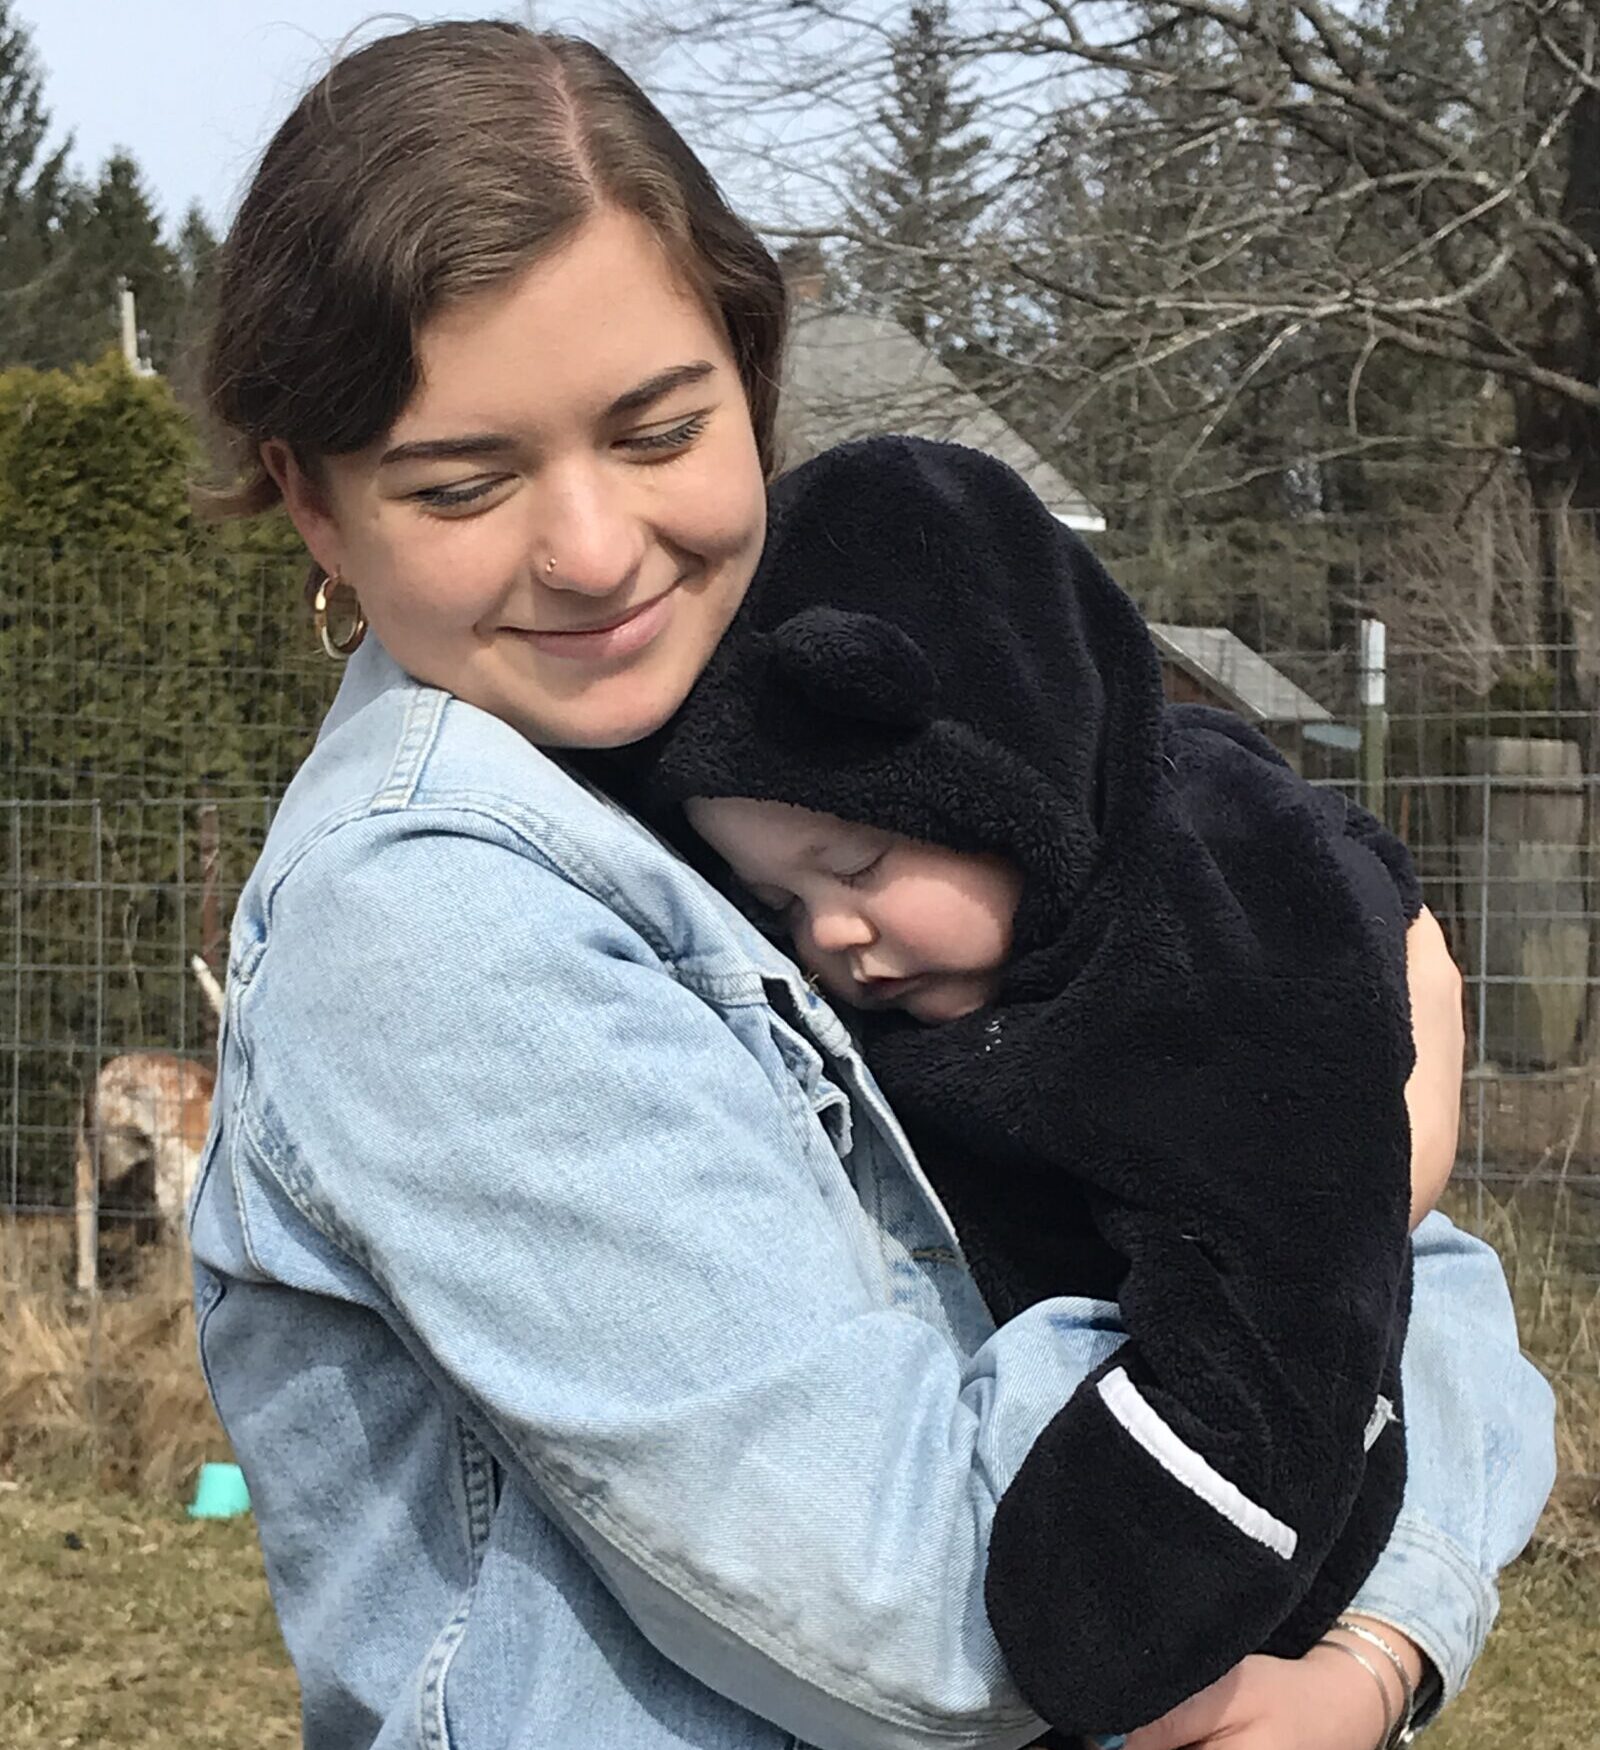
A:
(717, 1606)
(434, 1723)
(425, 712)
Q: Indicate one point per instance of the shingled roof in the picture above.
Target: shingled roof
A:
(1227, 666)
(851, 375)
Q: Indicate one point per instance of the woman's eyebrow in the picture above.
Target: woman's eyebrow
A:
(479, 443)
(662, 383)
(493, 443)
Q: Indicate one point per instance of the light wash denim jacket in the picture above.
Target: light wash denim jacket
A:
(601, 1364)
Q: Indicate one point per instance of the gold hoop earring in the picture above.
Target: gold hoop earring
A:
(341, 647)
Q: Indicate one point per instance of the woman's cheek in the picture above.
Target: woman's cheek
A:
(728, 499)
(456, 573)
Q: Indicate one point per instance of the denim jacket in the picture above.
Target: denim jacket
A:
(603, 1368)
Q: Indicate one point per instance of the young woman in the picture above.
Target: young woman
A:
(601, 1363)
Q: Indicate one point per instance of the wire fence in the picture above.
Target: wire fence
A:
(110, 892)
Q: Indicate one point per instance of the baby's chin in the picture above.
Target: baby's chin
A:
(952, 1000)
(932, 1001)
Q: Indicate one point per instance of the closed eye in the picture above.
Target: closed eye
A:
(855, 877)
(454, 497)
(667, 443)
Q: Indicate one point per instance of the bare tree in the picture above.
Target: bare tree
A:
(919, 194)
(1213, 202)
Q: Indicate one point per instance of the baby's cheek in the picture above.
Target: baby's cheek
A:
(805, 951)
(830, 971)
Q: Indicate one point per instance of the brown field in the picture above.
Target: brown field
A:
(109, 1389)
(123, 1624)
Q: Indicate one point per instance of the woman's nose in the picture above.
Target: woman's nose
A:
(589, 541)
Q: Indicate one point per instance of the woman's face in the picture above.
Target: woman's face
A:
(562, 522)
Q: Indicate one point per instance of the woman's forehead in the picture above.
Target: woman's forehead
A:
(577, 331)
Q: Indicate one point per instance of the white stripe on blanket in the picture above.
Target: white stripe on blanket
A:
(1125, 1402)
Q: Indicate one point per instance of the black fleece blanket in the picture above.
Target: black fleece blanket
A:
(1188, 1094)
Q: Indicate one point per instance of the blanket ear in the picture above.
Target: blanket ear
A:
(857, 666)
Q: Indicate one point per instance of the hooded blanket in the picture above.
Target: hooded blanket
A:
(1188, 1094)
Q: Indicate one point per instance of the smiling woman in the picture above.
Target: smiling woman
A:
(602, 1365)
(585, 589)
(516, 337)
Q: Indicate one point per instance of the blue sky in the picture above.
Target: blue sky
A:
(194, 88)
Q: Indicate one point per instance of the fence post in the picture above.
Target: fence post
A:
(1373, 689)
(1482, 1088)
(97, 826)
(213, 944)
(16, 1005)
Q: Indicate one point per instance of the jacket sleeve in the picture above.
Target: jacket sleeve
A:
(619, 1250)
(1480, 1443)
(637, 1269)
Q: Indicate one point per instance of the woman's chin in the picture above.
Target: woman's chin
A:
(603, 717)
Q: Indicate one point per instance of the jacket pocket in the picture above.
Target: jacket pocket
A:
(824, 1099)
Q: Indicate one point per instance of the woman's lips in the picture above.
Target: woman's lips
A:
(616, 638)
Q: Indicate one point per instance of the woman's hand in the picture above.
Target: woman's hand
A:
(1321, 1701)
(1433, 1094)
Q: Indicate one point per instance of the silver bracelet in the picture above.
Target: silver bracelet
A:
(1377, 1677)
(1408, 1709)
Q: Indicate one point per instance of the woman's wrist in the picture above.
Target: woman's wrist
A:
(1400, 1643)
(1363, 1695)
(1386, 1661)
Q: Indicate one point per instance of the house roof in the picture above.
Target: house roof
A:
(1228, 666)
(851, 375)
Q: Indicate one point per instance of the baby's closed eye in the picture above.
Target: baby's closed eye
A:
(855, 876)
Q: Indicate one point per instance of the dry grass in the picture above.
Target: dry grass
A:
(1538, 1682)
(1547, 1234)
(108, 1390)
(125, 1627)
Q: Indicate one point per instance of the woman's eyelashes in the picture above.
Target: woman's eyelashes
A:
(665, 444)
(456, 497)
(652, 445)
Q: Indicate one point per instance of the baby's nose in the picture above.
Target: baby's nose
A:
(837, 928)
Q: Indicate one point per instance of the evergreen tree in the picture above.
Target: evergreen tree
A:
(919, 193)
(147, 661)
(65, 248)
(24, 122)
(196, 250)
(39, 203)
(118, 239)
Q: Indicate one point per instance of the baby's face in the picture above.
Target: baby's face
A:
(882, 921)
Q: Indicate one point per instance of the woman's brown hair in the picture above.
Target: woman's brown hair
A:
(426, 167)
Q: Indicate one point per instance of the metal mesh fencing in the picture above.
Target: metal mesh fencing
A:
(122, 853)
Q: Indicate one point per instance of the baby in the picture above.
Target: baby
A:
(1138, 994)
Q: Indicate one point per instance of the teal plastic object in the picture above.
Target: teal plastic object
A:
(221, 1493)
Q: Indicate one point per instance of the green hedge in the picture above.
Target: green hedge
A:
(149, 661)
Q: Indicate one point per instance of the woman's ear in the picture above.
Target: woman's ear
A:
(306, 502)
